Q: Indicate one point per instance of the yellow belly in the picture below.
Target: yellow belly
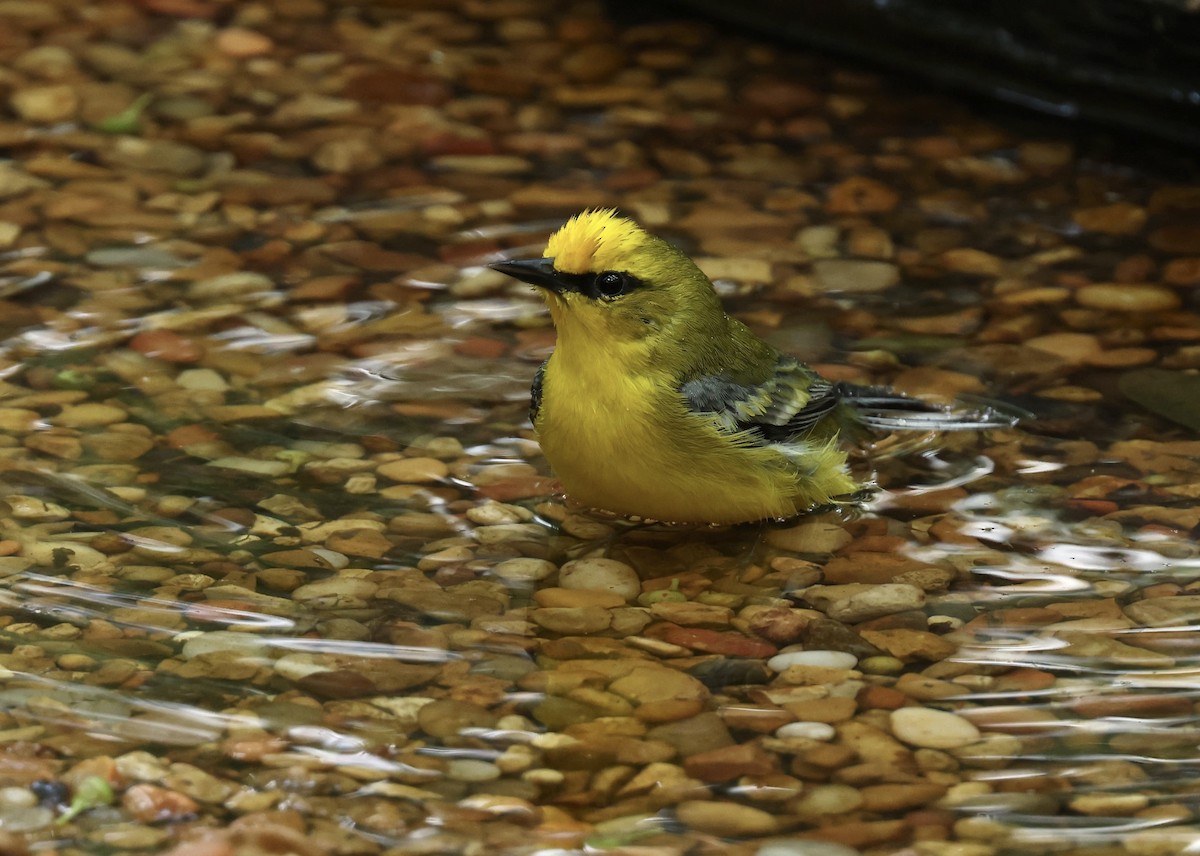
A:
(631, 446)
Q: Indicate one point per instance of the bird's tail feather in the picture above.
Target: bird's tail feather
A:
(883, 409)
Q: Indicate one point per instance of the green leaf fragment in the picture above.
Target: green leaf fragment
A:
(129, 120)
(92, 792)
(672, 594)
(73, 379)
(622, 833)
(294, 458)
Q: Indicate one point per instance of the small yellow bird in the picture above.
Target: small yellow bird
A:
(657, 404)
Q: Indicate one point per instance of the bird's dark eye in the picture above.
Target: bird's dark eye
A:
(612, 283)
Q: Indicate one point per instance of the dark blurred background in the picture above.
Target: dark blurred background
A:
(1127, 64)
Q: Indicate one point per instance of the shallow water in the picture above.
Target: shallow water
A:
(281, 559)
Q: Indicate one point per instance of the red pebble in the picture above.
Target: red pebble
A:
(166, 345)
(713, 641)
(519, 487)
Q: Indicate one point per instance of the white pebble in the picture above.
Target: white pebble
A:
(932, 729)
(601, 575)
(808, 730)
(14, 797)
(825, 659)
(336, 560)
(524, 570)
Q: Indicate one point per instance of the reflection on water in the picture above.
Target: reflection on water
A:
(259, 591)
(138, 618)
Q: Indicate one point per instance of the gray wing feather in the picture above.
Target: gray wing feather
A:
(794, 400)
(789, 404)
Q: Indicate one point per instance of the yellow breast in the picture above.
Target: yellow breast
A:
(627, 443)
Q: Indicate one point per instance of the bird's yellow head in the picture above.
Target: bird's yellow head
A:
(610, 283)
(596, 241)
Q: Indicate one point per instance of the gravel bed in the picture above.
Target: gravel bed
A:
(282, 569)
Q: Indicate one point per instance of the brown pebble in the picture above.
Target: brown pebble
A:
(726, 818)
(1120, 218)
(241, 43)
(152, 804)
(970, 261)
(414, 470)
(1139, 705)
(449, 718)
(862, 566)
(45, 104)
(831, 710)
(167, 345)
(698, 733)
(730, 762)
(1181, 271)
(574, 620)
(861, 195)
(593, 63)
(881, 698)
(900, 797)
(778, 96)
(1127, 297)
(909, 645)
(561, 597)
(781, 625)
(761, 720)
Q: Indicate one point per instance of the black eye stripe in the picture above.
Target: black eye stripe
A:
(611, 284)
(606, 285)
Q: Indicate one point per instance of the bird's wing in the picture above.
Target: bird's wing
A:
(787, 405)
(535, 392)
(792, 402)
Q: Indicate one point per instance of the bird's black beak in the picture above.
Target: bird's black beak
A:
(539, 272)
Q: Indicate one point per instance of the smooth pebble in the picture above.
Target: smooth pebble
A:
(932, 729)
(1127, 297)
(524, 569)
(601, 575)
(471, 770)
(251, 465)
(825, 659)
(151, 257)
(726, 819)
(26, 818)
(15, 797)
(809, 730)
(198, 379)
